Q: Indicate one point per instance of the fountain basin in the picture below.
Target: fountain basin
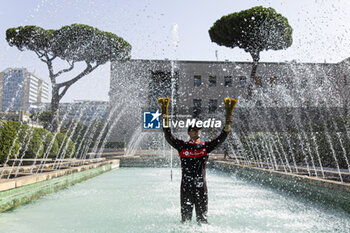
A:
(327, 192)
(20, 190)
(145, 200)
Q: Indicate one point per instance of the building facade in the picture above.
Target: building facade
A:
(20, 88)
(199, 87)
(83, 111)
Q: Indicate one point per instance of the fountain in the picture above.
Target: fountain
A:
(288, 161)
(287, 167)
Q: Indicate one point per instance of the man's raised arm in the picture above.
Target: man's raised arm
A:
(171, 139)
(229, 105)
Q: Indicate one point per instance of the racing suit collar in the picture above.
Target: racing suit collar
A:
(194, 142)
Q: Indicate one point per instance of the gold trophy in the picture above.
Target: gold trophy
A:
(164, 104)
(229, 105)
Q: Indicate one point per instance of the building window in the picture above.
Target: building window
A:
(289, 83)
(258, 103)
(197, 107)
(242, 81)
(319, 80)
(273, 81)
(258, 81)
(304, 83)
(213, 105)
(159, 86)
(212, 81)
(228, 81)
(12, 93)
(197, 80)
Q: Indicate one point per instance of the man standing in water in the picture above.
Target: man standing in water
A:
(194, 156)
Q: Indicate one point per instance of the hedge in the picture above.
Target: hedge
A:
(32, 144)
(66, 145)
(17, 139)
(49, 142)
(9, 143)
(109, 144)
(326, 145)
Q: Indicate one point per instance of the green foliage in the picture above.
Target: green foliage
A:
(76, 42)
(9, 143)
(34, 142)
(75, 130)
(35, 147)
(79, 42)
(49, 142)
(115, 144)
(253, 30)
(66, 145)
(98, 130)
(30, 141)
(90, 136)
(86, 136)
(21, 132)
(43, 118)
(30, 37)
(108, 144)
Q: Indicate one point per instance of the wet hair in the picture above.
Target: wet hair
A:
(193, 127)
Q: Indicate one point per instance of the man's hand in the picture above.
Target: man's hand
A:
(228, 122)
(229, 105)
(164, 119)
(229, 119)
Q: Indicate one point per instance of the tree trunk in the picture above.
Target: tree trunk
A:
(55, 121)
(254, 68)
(346, 99)
(256, 58)
(56, 96)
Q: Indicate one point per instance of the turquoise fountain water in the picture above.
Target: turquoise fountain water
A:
(144, 200)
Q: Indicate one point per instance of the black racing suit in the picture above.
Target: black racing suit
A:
(194, 157)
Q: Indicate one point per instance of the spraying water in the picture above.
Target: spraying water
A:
(175, 34)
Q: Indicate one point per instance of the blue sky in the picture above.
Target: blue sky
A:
(321, 31)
